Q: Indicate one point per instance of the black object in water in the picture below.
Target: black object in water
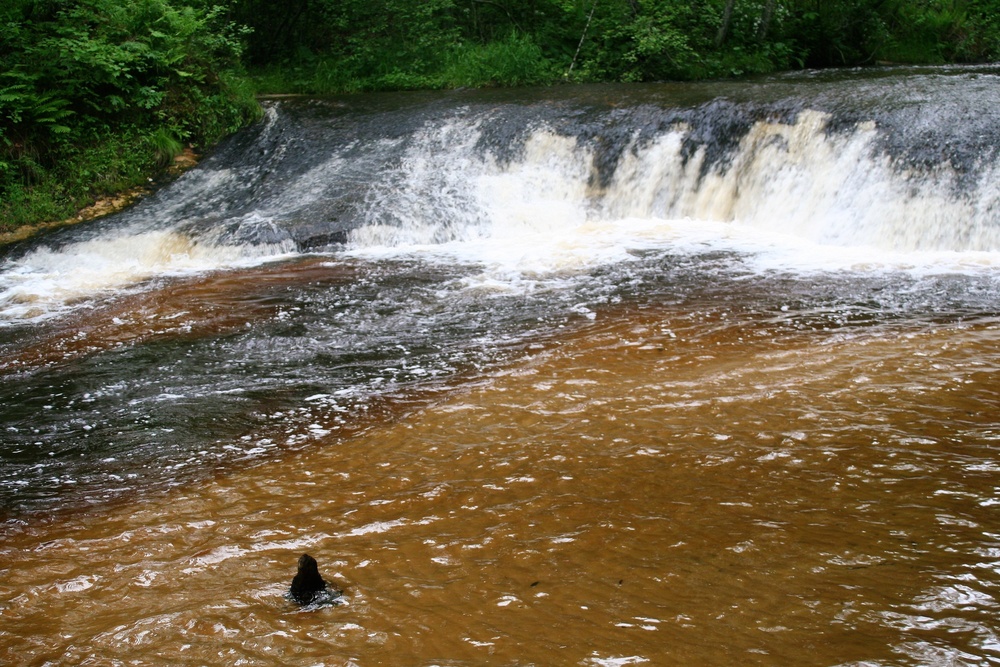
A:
(308, 586)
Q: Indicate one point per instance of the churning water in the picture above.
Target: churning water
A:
(665, 374)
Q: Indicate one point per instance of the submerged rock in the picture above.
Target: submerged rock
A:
(308, 586)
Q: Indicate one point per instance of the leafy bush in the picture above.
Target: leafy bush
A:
(79, 75)
(514, 61)
(350, 45)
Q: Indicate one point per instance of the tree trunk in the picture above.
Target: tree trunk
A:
(765, 20)
(727, 19)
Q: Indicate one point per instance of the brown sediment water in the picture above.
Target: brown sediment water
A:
(213, 304)
(650, 489)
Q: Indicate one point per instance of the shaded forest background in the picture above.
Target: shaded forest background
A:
(97, 96)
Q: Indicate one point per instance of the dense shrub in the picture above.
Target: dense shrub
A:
(328, 45)
(94, 94)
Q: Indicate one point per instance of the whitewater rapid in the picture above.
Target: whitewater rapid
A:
(532, 189)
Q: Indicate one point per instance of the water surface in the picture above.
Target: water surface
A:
(596, 376)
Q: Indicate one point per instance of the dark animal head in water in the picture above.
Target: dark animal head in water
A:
(307, 583)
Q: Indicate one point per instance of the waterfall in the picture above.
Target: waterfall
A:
(866, 169)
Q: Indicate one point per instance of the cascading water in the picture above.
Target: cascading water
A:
(893, 164)
(672, 373)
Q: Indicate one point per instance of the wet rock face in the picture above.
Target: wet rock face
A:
(307, 583)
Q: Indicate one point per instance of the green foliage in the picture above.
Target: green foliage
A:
(978, 38)
(657, 45)
(84, 172)
(350, 45)
(80, 76)
(514, 61)
(938, 31)
(165, 145)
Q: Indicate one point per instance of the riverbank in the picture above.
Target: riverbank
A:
(107, 204)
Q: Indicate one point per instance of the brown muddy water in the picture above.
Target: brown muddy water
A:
(651, 489)
(590, 376)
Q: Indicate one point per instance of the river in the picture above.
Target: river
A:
(594, 375)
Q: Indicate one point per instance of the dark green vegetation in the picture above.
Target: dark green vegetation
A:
(97, 95)
(319, 46)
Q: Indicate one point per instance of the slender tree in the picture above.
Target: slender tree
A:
(765, 20)
(727, 20)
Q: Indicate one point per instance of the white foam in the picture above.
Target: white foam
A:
(536, 258)
(616, 661)
(81, 583)
(45, 282)
(219, 554)
(377, 527)
(834, 189)
(793, 198)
